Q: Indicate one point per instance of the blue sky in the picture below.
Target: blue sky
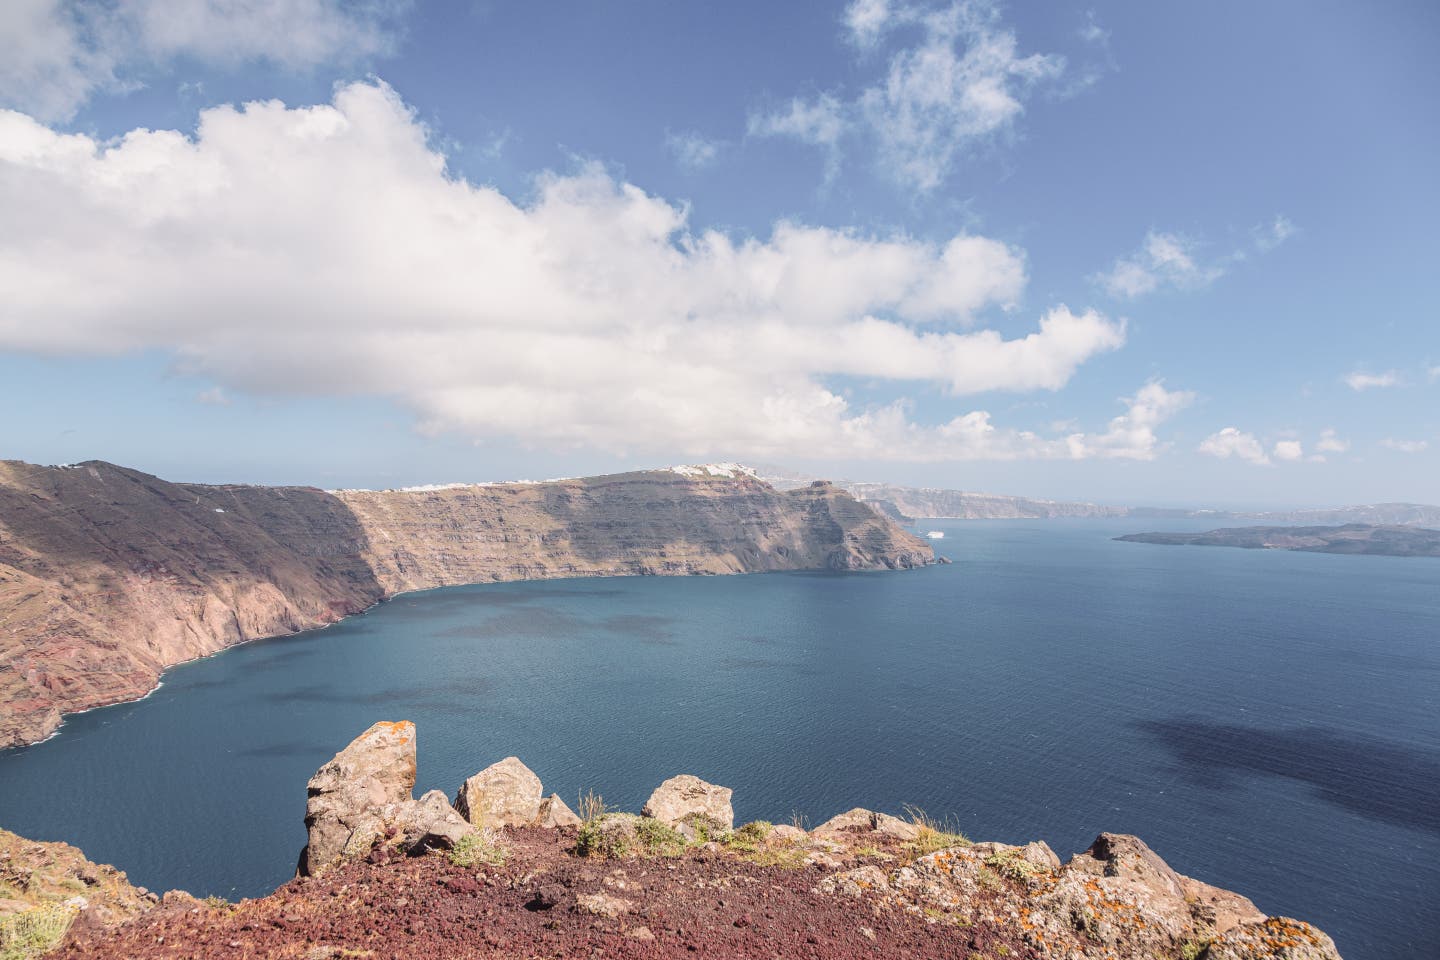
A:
(1129, 252)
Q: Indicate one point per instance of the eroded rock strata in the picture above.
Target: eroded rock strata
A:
(621, 885)
(109, 575)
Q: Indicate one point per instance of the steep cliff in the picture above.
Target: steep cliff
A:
(109, 575)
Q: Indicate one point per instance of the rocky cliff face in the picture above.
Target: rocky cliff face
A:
(109, 575)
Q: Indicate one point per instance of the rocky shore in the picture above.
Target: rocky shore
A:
(504, 871)
(109, 575)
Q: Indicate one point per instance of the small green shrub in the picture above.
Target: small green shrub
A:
(704, 828)
(1194, 949)
(608, 835)
(748, 837)
(1012, 865)
(658, 838)
(754, 832)
(477, 848)
(35, 931)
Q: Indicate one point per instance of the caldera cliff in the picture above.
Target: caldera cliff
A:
(109, 575)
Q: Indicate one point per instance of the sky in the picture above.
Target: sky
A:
(1128, 252)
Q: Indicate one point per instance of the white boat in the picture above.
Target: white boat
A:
(935, 534)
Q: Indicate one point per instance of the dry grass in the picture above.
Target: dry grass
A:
(934, 835)
(477, 848)
(590, 807)
(35, 931)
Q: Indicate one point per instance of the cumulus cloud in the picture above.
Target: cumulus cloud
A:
(1132, 434)
(1359, 380)
(1404, 446)
(1330, 442)
(327, 249)
(1164, 259)
(1288, 450)
(692, 150)
(1231, 442)
(54, 54)
(963, 83)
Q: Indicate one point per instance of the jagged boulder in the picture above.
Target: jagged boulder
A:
(376, 769)
(685, 799)
(859, 820)
(504, 794)
(554, 812)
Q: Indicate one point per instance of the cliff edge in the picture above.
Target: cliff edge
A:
(507, 872)
(109, 575)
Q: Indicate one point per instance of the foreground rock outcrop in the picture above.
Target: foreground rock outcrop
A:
(620, 885)
(49, 890)
(109, 575)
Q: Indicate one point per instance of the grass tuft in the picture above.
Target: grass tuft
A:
(590, 807)
(934, 835)
(35, 931)
(477, 848)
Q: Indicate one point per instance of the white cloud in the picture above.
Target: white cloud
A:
(54, 54)
(692, 150)
(821, 121)
(1172, 260)
(214, 396)
(1359, 380)
(1289, 450)
(1132, 434)
(1433, 374)
(867, 20)
(1164, 259)
(1404, 446)
(1091, 31)
(328, 250)
(1269, 236)
(962, 84)
(1330, 442)
(1230, 442)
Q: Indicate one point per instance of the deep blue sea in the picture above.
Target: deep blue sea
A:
(1267, 721)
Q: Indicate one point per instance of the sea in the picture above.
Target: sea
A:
(1267, 721)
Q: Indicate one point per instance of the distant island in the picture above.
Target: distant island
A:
(1356, 538)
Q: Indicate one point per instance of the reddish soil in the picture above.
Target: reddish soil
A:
(705, 904)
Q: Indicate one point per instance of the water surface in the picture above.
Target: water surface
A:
(1268, 721)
